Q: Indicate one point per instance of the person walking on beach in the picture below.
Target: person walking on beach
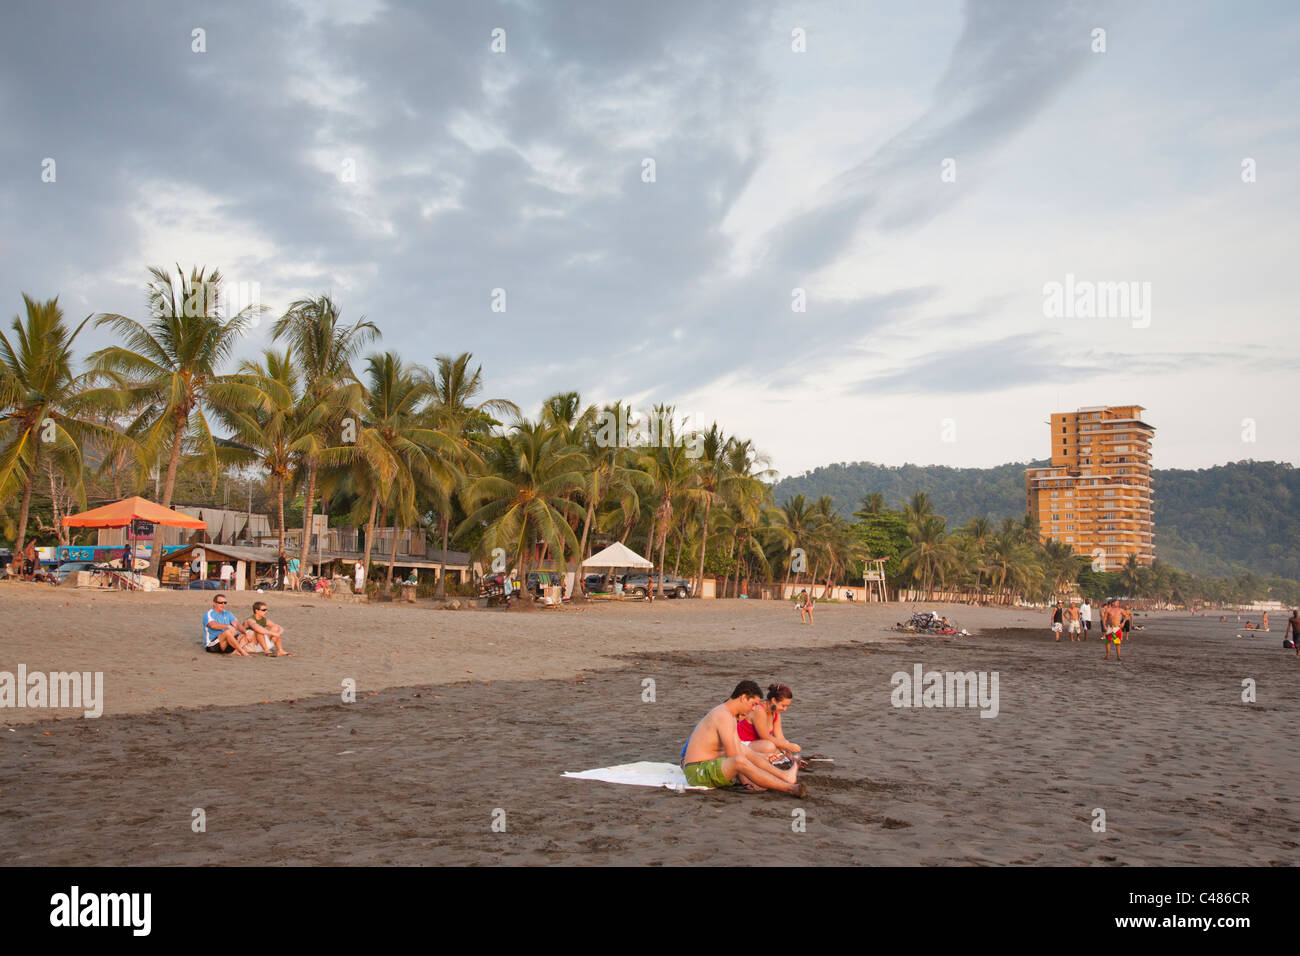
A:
(1293, 630)
(1058, 621)
(1072, 622)
(805, 607)
(1085, 616)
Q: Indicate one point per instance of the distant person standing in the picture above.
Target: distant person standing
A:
(127, 564)
(1072, 618)
(1266, 620)
(227, 574)
(1058, 621)
(281, 571)
(1085, 617)
(294, 582)
(1293, 630)
(359, 578)
(1112, 627)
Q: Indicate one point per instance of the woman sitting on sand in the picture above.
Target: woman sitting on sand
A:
(762, 728)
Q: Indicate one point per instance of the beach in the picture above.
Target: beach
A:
(463, 722)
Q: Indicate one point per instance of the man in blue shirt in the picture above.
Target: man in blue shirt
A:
(222, 631)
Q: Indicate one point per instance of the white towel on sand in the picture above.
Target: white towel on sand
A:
(640, 774)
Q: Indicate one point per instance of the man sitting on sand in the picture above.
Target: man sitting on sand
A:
(222, 631)
(714, 756)
(265, 630)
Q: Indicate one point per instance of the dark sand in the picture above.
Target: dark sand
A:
(1185, 771)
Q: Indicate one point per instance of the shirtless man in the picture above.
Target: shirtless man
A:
(1293, 630)
(715, 757)
(1112, 628)
(264, 630)
(1072, 622)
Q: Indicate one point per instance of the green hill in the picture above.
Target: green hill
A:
(1242, 516)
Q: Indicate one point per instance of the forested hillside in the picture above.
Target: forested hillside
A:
(1212, 521)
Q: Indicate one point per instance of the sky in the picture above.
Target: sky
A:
(837, 229)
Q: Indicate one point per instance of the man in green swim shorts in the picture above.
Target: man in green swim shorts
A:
(715, 757)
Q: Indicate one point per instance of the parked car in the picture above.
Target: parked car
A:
(673, 587)
(598, 583)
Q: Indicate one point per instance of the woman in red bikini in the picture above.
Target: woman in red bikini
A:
(761, 730)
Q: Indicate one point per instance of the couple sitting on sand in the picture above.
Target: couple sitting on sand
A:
(716, 756)
(223, 633)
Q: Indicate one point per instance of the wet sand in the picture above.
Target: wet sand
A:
(417, 770)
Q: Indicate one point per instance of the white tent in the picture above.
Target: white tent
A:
(617, 555)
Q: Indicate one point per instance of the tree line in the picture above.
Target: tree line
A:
(323, 420)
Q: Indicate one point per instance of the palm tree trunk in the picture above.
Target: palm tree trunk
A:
(308, 511)
(663, 556)
(392, 558)
(23, 512)
(704, 548)
(579, 592)
(279, 494)
(54, 504)
(441, 593)
(173, 462)
(370, 534)
(740, 553)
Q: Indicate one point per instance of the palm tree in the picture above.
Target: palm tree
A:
(872, 504)
(748, 501)
(711, 482)
(280, 430)
(1010, 563)
(42, 404)
(977, 534)
(610, 469)
(1060, 564)
(172, 364)
(524, 497)
(800, 519)
(323, 350)
(930, 555)
(672, 474)
(456, 411)
(394, 448)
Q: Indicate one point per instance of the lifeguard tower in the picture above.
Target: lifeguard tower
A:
(873, 576)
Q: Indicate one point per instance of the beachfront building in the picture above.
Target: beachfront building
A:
(1096, 494)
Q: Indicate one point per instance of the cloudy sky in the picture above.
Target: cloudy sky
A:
(911, 176)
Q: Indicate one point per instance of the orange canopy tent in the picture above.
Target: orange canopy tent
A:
(120, 514)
